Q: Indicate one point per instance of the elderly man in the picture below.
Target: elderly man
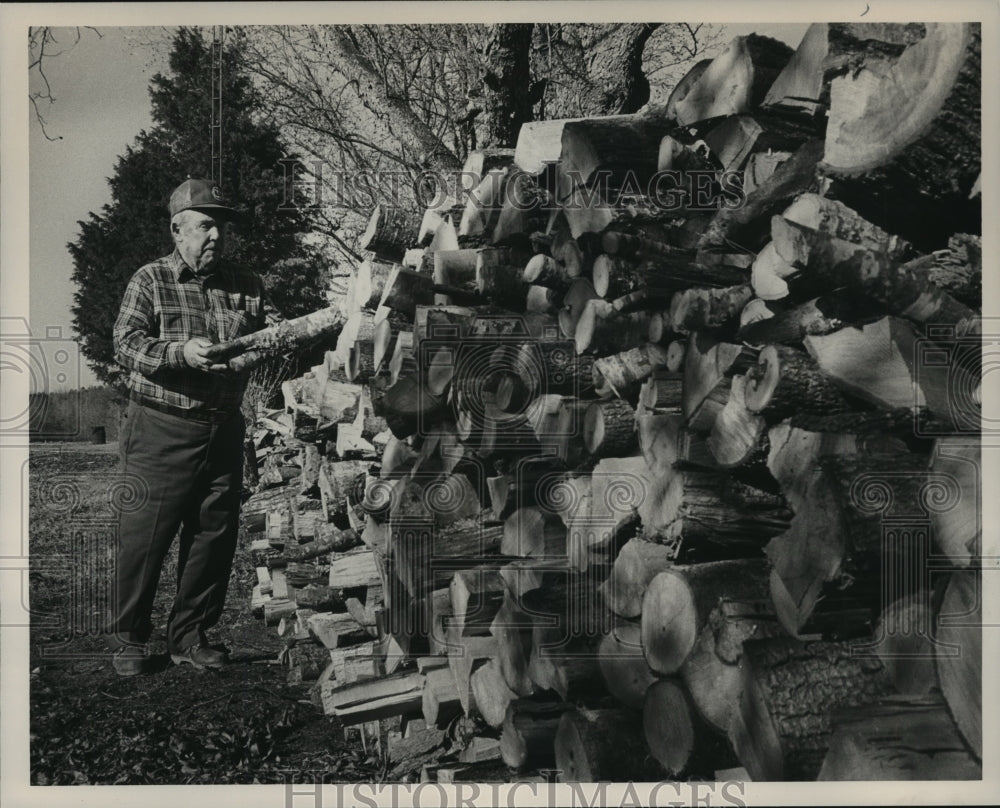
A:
(183, 437)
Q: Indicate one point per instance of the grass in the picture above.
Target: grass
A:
(243, 724)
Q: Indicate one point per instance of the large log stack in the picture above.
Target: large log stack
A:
(629, 483)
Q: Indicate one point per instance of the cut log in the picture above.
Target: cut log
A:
(440, 704)
(790, 689)
(737, 431)
(748, 226)
(831, 49)
(391, 231)
(543, 270)
(679, 740)
(786, 381)
(636, 565)
(956, 527)
(695, 309)
(529, 732)
(910, 136)
(898, 738)
(596, 745)
(602, 330)
(539, 143)
(623, 666)
(683, 87)
(246, 352)
(609, 429)
(904, 642)
(491, 694)
(679, 601)
(959, 657)
(736, 81)
(610, 150)
(619, 373)
(372, 699)
(821, 315)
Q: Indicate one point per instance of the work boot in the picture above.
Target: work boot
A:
(201, 656)
(131, 660)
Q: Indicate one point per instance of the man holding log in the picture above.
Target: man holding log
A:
(182, 440)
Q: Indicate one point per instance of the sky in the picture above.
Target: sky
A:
(100, 86)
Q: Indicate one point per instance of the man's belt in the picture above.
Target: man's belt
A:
(204, 416)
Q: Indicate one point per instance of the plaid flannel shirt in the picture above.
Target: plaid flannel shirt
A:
(165, 305)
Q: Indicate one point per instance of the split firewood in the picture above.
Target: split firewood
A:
(491, 693)
(736, 81)
(372, 699)
(737, 431)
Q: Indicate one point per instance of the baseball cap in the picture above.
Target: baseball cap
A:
(195, 194)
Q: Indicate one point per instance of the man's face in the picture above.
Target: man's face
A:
(199, 237)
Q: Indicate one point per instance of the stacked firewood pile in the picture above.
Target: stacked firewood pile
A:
(652, 450)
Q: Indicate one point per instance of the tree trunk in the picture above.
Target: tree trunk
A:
(506, 102)
(383, 116)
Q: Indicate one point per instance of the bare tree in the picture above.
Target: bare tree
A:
(43, 46)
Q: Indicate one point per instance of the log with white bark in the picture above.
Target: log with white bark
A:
(245, 353)
(390, 232)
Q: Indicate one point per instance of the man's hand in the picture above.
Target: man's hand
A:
(195, 355)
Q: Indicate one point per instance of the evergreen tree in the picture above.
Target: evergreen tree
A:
(134, 228)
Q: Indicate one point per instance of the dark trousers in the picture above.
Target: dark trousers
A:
(190, 474)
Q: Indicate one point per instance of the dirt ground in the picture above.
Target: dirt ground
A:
(243, 724)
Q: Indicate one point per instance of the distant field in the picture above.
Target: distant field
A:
(72, 415)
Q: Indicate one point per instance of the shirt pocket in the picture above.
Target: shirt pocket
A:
(173, 321)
